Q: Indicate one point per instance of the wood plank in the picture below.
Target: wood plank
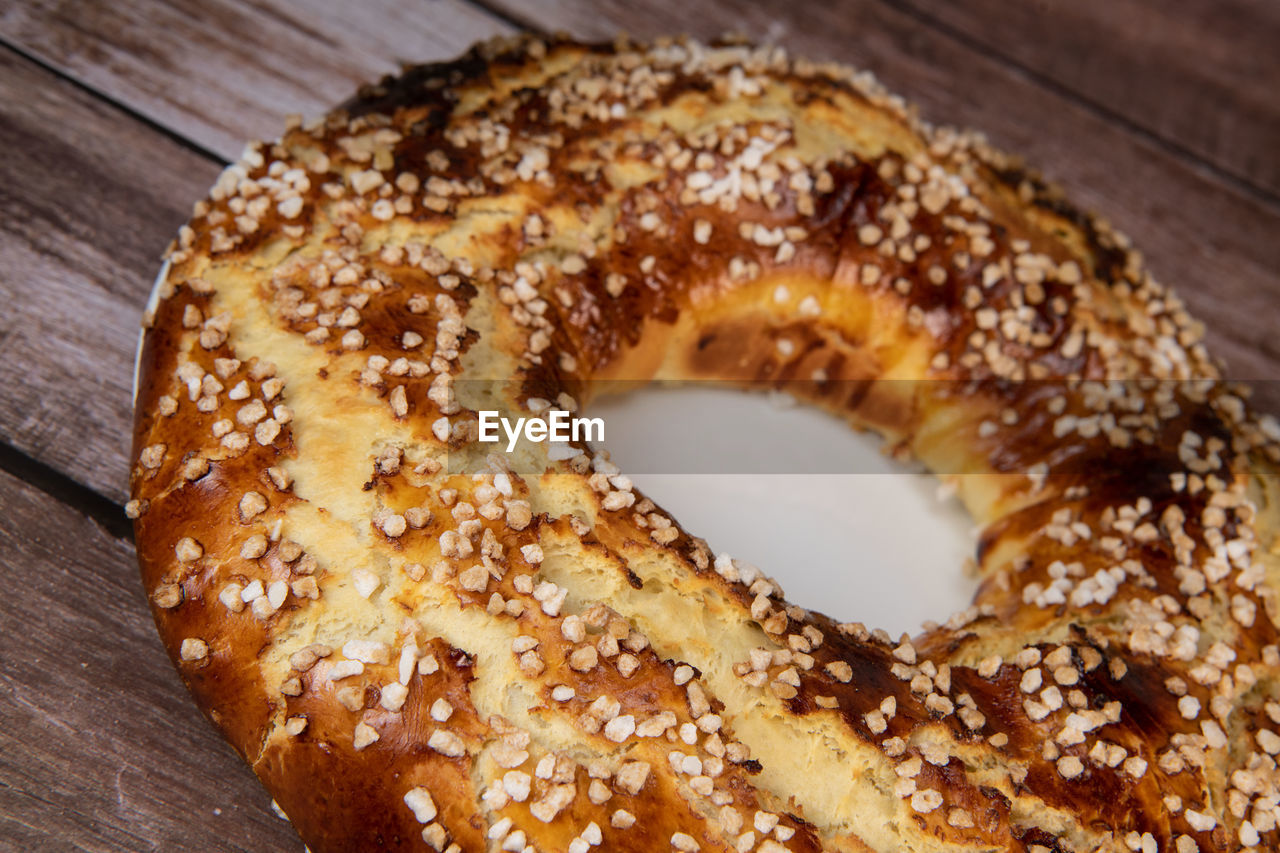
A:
(88, 200)
(1215, 245)
(222, 71)
(101, 748)
(1200, 74)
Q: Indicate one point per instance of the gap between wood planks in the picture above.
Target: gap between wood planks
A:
(142, 118)
(510, 18)
(1216, 57)
(107, 513)
(1097, 106)
(96, 506)
(225, 71)
(91, 196)
(101, 748)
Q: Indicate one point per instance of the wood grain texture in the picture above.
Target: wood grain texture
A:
(101, 748)
(1216, 245)
(220, 72)
(1200, 74)
(89, 197)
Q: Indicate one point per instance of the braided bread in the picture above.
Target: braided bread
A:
(420, 641)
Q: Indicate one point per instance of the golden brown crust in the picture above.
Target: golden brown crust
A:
(420, 644)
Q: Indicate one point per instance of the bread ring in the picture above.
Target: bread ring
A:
(419, 641)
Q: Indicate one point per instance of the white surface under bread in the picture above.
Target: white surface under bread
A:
(881, 544)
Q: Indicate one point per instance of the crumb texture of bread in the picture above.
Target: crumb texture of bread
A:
(420, 642)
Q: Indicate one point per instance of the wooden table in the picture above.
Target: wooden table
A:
(115, 116)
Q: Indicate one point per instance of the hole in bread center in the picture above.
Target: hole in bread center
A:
(796, 492)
